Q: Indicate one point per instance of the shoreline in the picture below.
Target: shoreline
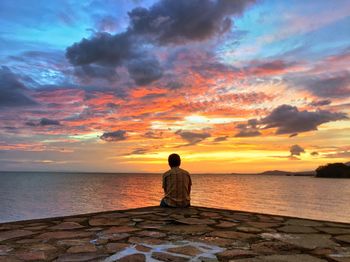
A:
(167, 234)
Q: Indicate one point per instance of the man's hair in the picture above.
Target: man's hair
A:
(174, 160)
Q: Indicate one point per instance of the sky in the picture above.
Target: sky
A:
(117, 86)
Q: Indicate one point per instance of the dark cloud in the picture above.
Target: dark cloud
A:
(288, 119)
(220, 139)
(321, 102)
(49, 122)
(87, 72)
(296, 150)
(103, 49)
(293, 135)
(248, 130)
(192, 137)
(139, 151)
(337, 86)
(118, 135)
(12, 91)
(106, 24)
(153, 135)
(269, 67)
(144, 70)
(180, 21)
(314, 153)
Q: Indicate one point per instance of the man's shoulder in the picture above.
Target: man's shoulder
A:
(184, 171)
(167, 173)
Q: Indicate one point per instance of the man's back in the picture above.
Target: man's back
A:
(177, 187)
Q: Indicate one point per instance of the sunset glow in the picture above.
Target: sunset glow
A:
(231, 86)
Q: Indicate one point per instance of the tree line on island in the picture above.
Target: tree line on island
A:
(334, 170)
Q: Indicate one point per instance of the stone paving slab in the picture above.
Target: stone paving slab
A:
(168, 234)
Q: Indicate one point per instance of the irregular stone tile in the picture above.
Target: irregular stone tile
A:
(231, 235)
(82, 249)
(303, 222)
(133, 258)
(116, 247)
(113, 236)
(95, 229)
(343, 238)
(263, 224)
(63, 234)
(151, 226)
(249, 229)
(196, 221)
(33, 228)
(9, 259)
(29, 241)
(5, 249)
(341, 259)
(67, 226)
(187, 229)
(333, 224)
(73, 242)
(185, 250)
(10, 227)
(146, 240)
(335, 230)
(272, 247)
(307, 241)
(210, 214)
(154, 234)
(75, 219)
(166, 257)
(5, 235)
(68, 257)
(137, 219)
(226, 224)
(291, 258)
(31, 255)
(103, 221)
(234, 254)
(42, 247)
(221, 242)
(142, 248)
(121, 229)
(322, 251)
(297, 229)
(112, 215)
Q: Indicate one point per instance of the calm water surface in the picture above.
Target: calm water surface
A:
(38, 195)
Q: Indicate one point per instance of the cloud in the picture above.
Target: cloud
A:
(248, 130)
(314, 153)
(270, 67)
(337, 86)
(181, 21)
(139, 151)
(320, 102)
(192, 137)
(48, 122)
(103, 49)
(12, 91)
(220, 139)
(144, 70)
(296, 150)
(87, 72)
(118, 135)
(288, 119)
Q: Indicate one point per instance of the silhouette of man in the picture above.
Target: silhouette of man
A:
(176, 184)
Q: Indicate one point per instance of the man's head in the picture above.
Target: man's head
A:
(174, 160)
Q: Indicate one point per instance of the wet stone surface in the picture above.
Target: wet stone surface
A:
(167, 234)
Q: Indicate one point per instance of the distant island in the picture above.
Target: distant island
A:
(280, 173)
(335, 170)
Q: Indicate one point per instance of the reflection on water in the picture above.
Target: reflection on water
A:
(37, 195)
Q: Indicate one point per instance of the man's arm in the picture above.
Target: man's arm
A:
(189, 184)
(164, 183)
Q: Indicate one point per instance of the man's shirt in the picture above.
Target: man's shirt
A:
(177, 187)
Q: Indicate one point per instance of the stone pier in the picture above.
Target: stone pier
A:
(164, 234)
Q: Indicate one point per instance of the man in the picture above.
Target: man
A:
(176, 184)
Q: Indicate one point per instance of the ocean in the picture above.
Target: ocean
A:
(29, 195)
